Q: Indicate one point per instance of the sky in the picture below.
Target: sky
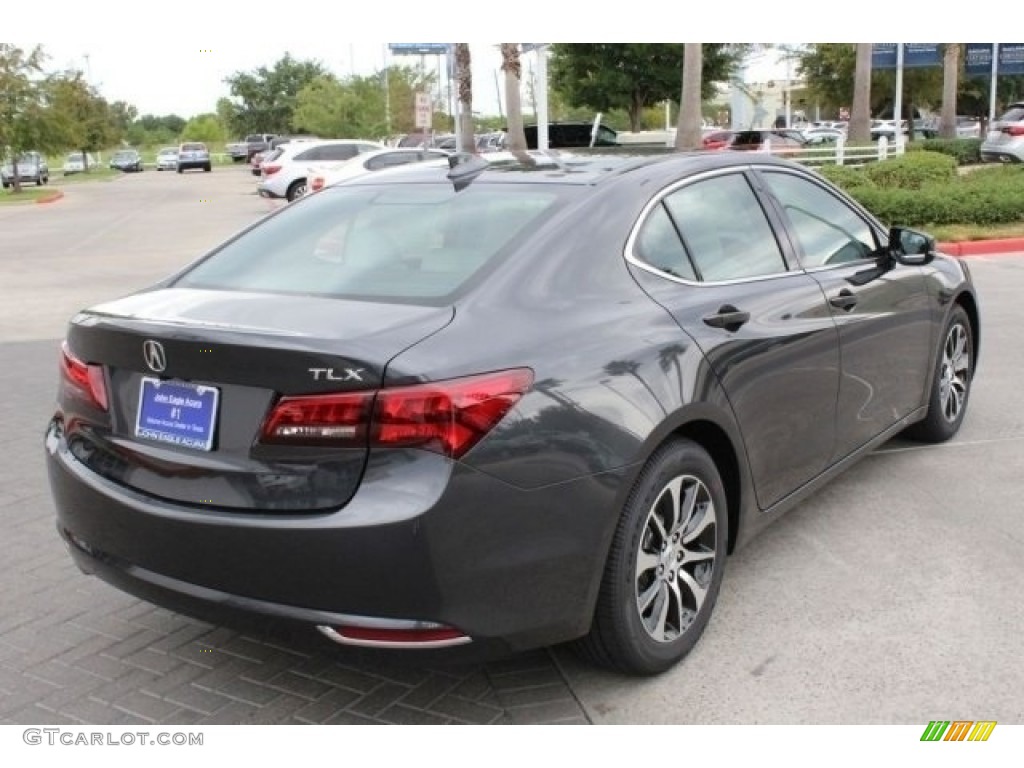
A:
(176, 62)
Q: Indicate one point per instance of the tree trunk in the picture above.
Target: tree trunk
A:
(85, 161)
(688, 133)
(464, 78)
(950, 77)
(860, 112)
(636, 110)
(512, 68)
(16, 172)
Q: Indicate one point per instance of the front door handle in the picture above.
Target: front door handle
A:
(727, 317)
(845, 300)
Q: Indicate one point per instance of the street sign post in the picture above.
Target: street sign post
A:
(424, 112)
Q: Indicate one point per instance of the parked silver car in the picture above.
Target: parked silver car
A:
(31, 167)
(1005, 141)
(167, 159)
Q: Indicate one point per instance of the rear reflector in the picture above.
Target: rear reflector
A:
(84, 380)
(448, 417)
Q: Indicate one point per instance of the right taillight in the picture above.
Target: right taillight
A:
(81, 379)
(448, 417)
(269, 170)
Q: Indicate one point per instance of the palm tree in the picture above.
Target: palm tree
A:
(688, 133)
(950, 78)
(513, 70)
(464, 78)
(860, 113)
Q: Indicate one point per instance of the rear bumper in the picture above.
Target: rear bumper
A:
(423, 539)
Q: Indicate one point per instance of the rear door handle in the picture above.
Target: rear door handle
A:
(727, 317)
(845, 300)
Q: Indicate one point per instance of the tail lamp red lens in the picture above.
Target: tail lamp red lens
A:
(269, 170)
(83, 379)
(316, 183)
(1015, 130)
(448, 417)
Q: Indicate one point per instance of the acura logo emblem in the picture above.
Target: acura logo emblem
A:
(156, 358)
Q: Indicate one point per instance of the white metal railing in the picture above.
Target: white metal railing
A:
(840, 154)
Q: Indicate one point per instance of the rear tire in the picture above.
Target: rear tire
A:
(951, 383)
(296, 190)
(207, 168)
(665, 566)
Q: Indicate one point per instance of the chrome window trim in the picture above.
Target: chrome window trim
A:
(655, 201)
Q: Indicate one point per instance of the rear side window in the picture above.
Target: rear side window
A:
(403, 242)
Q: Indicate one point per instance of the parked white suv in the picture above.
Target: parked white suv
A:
(284, 174)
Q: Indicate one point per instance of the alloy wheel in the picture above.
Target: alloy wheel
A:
(675, 559)
(955, 372)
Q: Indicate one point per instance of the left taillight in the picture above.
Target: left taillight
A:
(84, 380)
(448, 417)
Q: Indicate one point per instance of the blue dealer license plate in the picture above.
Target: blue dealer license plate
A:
(177, 412)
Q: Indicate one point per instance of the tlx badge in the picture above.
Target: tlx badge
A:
(329, 374)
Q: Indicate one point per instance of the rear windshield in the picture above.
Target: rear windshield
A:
(193, 147)
(403, 242)
(1013, 115)
(254, 138)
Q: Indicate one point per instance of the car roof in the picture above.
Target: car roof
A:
(564, 167)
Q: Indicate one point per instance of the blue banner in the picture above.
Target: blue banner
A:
(979, 59)
(418, 49)
(883, 55)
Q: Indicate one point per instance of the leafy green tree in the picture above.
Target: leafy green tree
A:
(356, 107)
(89, 121)
(828, 70)
(26, 122)
(265, 99)
(205, 128)
(632, 76)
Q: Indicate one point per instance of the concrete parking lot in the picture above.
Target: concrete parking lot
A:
(893, 596)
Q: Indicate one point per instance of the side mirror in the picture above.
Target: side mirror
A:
(910, 247)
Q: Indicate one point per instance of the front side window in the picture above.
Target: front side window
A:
(828, 230)
(725, 230)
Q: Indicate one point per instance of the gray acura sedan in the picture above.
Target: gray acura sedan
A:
(501, 405)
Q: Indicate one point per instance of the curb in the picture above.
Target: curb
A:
(1002, 246)
(52, 197)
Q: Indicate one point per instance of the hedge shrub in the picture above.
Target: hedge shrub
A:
(846, 176)
(964, 151)
(914, 170)
(956, 202)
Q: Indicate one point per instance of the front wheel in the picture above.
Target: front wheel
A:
(665, 566)
(951, 384)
